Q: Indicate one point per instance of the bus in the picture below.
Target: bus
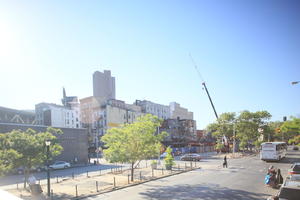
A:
(273, 151)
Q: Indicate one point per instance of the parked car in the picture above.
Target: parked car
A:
(163, 155)
(295, 148)
(20, 170)
(191, 157)
(60, 165)
(295, 169)
(290, 190)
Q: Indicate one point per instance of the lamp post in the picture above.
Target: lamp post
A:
(48, 170)
(234, 136)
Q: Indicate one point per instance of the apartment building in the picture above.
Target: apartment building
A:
(159, 110)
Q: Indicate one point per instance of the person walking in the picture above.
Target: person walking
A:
(225, 162)
(279, 179)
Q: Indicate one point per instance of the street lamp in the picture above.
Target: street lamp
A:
(48, 170)
(234, 136)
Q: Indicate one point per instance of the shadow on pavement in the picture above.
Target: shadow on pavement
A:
(205, 192)
(289, 160)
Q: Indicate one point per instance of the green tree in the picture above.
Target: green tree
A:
(290, 128)
(223, 126)
(248, 124)
(272, 132)
(29, 147)
(243, 144)
(169, 159)
(219, 146)
(134, 142)
(7, 156)
(245, 125)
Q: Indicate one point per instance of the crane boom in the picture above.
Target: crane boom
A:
(203, 83)
(210, 100)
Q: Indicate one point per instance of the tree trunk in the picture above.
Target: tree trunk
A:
(26, 173)
(132, 171)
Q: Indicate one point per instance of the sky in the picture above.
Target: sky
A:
(248, 53)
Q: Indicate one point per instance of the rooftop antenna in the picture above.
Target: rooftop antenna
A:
(203, 83)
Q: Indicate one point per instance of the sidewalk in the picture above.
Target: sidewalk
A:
(96, 183)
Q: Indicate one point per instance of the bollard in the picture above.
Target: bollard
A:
(178, 168)
(185, 166)
(128, 178)
(100, 172)
(76, 191)
(152, 173)
(57, 179)
(72, 175)
(114, 182)
(162, 171)
(87, 174)
(97, 186)
(111, 169)
(195, 164)
(51, 194)
(17, 186)
(191, 165)
(140, 176)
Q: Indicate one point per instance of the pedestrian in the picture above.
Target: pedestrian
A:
(279, 179)
(225, 162)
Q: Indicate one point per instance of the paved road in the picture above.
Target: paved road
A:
(11, 181)
(242, 180)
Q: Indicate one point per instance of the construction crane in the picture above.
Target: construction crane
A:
(206, 90)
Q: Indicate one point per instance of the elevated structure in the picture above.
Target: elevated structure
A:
(8, 115)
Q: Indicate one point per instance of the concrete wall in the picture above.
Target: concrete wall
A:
(74, 141)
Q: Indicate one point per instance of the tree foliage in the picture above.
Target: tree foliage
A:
(245, 126)
(169, 159)
(134, 142)
(291, 128)
(27, 148)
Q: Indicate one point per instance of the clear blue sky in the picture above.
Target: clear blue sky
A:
(247, 51)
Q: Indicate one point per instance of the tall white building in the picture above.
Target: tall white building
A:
(57, 116)
(104, 85)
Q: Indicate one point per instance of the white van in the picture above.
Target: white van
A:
(274, 151)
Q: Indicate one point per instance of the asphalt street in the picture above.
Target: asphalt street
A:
(242, 180)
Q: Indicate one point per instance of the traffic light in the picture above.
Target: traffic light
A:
(284, 118)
